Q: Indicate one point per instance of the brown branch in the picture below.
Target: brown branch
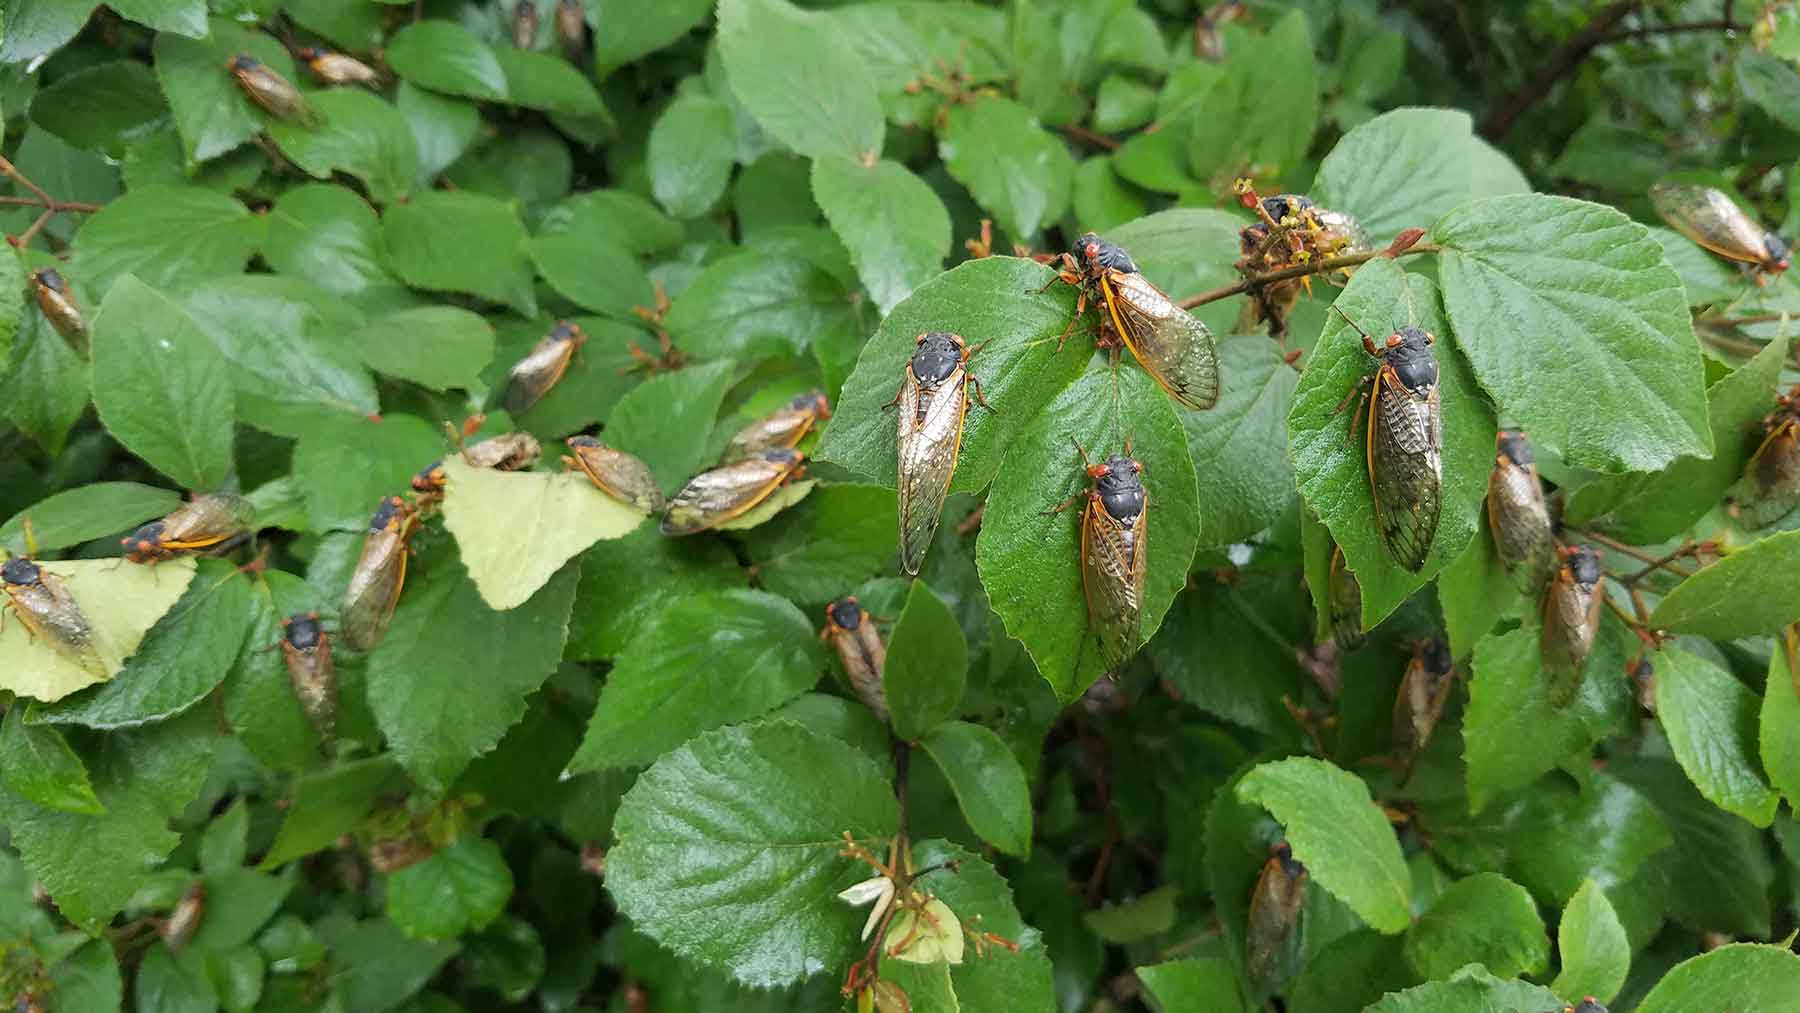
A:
(1559, 65)
(1299, 271)
(80, 207)
(39, 199)
(1633, 551)
(1077, 132)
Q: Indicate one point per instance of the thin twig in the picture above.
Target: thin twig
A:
(1631, 550)
(23, 239)
(1080, 133)
(1720, 25)
(1559, 65)
(1755, 318)
(1659, 564)
(44, 199)
(80, 207)
(1298, 271)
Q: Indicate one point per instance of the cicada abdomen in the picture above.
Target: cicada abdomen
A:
(274, 93)
(783, 428)
(1275, 904)
(933, 401)
(380, 573)
(336, 68)
(1424, 690)
(306, 648)
(1172, 345)
(1772, 478)
(1404, 444)
(57, 303)
(617, 474)
(1571, 617)
(43, 603)
(533, 376)
(1344, 598)
(1518, 519)
(209, 522)
(711, 498)
(1114, 554)
(859, 646)
(1710, 218)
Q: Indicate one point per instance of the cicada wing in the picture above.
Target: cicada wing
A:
(1774, 476)
(535, 374)
(1713, 220)
(49, 611)
(713, 497)
(1571, 615)
(930, 440)
(314, 676)
(1113, 560)
(1171, 344)
(374, 589)
(1345, 600)
(865, 659)
(1417, 708)
(1406, 468)
(1270, 940)
(1519, 523)
(206, 521)
(624, 477)
(785, 428)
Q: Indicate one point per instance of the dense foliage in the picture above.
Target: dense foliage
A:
(1308, 712)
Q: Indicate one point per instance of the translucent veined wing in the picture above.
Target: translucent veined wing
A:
(1406, 467)
(1519, 522)
(784, 428)
(1113, 556)
(1345, 602)
(930, 439)
(1710, 218)
(206, 520)
(1774, 474)
(1171, 344)
(713, 497)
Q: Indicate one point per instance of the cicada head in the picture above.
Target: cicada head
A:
(430, 478)
(1643, 683)
(1589, 1004)
(146, 543)
(845, 613)
(525, 23)
(939, 354)
(1408, 353)
(52, 279)
(1581, 563)
(392, 515)
(20, 571)
(1777, 258)
(1119, 486)
(241, 64)
(309, 53)
(1096, 255)
(812, 401)
(302, 631)
(566, 330)
(1512, 445)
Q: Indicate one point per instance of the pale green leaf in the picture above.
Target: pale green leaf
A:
(796, 73)
(894, 225)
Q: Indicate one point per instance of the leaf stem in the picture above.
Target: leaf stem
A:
(1686, 548)
(1300, 271)
(1633, 551)
(38, 199)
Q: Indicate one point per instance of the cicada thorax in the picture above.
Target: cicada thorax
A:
(1275, 904)
(380, 573)
(1403, 445)
(1571, 617)
(783, 428)
(524, 23)
(58, 305)
(617, 474)
(1345, 601)
(209, 522)
(933, 402)
(1424, 690)
(533, 376)
(713, 497)
(1114, 555)
(1172, 345)
(336, 68)
(43, 603)
(306, 648)
(1715, 221)
(571, 27)
(1518, 519)
(859, 646)
(1772, 477)
(274, 93)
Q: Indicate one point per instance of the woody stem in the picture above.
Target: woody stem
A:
(1299, 271)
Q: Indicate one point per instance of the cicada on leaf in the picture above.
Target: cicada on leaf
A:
(1345, 600)
(178, 929)
(783, 428)
(274, 93)
(1173, 346)
(533, 376)
(571, 27)
(380, 573)
(1709, 217)
(933, 401)
(616, 473)
(514, 451)
(336, 68)
(1571, 616)
(306, 648)
(524, 23)
(1773, 475)
(1290, 230)
(1209, 41)
(1588, 1004)
(1518, 518)
(1404, 444)
(852, 633)
(1643, 684)
(1275, 904)
(713, 497)
(1114, 555)
(1424, 690)
(58, 305)
(209, 522)
(43, 603)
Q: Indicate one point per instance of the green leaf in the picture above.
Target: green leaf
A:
(1705, 277)
(442, 127)
(460, 242)
(1019, 172)
(1350, 973)
(759, 813)
(1591, 943)
(1780, 716)
(187, 17)
(327, 235)
(101, 106)
(584, 266)
(211, 112)
(451, 675)
(894, 225)
(438, 347)
(623, 219)
(12, 309)
(38, 29)
(1719, 871)
(625, 583)
(840, 536)
(542, 81)
(1531, 279)
(165, 982)
(184, 657)
(1338, 833)
(690, 156)
(515, 530)
(990, 786)
(1409, 167)
(260, 705)
(374, 966)
(1710, 719)
(89, 978)
(91, 865)
(927, 662)
(1485, 919)
(1750, 591)
(798, 75)
(1208, 983)
(445, 56)
(1647, 509)
(1476, 593)
(1100, 198)
(646, 31)
(1470, 990)
(169, 236)
(356, 133)
(667, 419)
(508, 958)
(328, 804)
(1772, 84)
(761, 301)
(342, 488)
(121, 604)
(46, 384)
(458, 889)
(1331, 461)
(37, 765)
(1236, 444)
(1248, 664)
(704, 661)
(1260, 108)
(85, 512)
(1030, 559)
(1735, 976)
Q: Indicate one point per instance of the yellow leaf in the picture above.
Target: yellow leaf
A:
(121, 602)
(779, 500)
(926, 937)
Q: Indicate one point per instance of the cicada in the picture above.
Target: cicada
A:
(1424, 690)
(784, 428)
(1518, 520)
(571, 26)
(1588, 1004)
(1571, 615)
(1171, 344)
(1291, 230)
(43, 603)
(336, 68)
(616, 473)
(1404, 443)
(513, 451)
(207, 522)
(1114, 550)
(1345, 599)
(178, 929)
(274, 93)
(1715, 221)
(380, 573)
(1643, 684)
(1275, 904)
(58, 305)
(306, 648)
(524, 23)
(713, 497)
(933, 400)
(539, 371)
(1773, 474)
(852, 631)
(1209, 42)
